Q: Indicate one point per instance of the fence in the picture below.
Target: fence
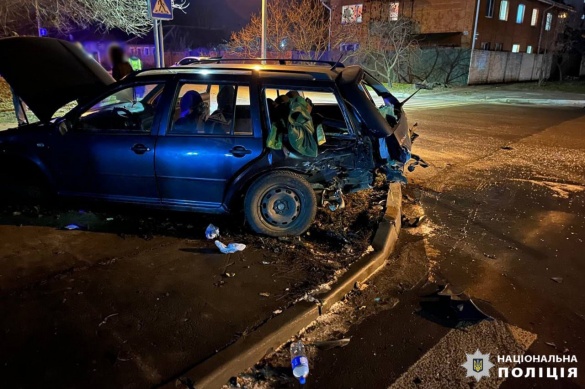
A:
(489, 67)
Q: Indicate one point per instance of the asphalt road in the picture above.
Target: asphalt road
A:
(505, 201)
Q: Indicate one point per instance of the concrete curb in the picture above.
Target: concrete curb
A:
(246, 351)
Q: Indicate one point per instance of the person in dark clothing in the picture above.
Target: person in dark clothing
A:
(220, 121)
(193, 112)
(120, 66)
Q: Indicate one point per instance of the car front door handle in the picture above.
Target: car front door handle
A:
(240, 151)
(140, 148)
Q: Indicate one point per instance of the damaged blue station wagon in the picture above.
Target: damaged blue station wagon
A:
(272, 138)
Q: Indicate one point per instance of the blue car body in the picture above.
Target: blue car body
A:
(204, 172)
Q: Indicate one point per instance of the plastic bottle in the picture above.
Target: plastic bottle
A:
(299, 361)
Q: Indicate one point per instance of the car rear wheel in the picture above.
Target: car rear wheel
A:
(279, 204)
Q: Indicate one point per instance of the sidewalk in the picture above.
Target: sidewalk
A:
(567, 94)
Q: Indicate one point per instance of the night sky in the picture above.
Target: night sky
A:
(228, 14)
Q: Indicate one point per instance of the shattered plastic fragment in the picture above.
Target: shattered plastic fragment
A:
(230, 248)
(264, 294)
(211, 232)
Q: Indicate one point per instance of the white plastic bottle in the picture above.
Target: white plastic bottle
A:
(299, 361)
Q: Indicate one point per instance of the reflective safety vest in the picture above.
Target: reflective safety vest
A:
(136, 63)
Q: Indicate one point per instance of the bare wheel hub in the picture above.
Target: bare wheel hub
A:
(280, 206)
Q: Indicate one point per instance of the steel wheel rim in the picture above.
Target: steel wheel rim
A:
(280, 206)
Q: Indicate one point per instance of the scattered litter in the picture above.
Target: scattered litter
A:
(558, 280)
(211, 232)
(490, 256)
(277, 312)
(370, 249)
(329, 344)
(109, 219)
(229, 275)
(16, 213)
(309, 298)
(106, 319)
(507, 148)
(299, 361)
(362, 308)
(71, 227)
(264, 294)
(413, 222)
(230, 248)
(360, 285)
(551, 344)
(377, 299)
(266, 263)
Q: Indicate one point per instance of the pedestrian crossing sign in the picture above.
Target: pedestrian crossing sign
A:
(161, 9)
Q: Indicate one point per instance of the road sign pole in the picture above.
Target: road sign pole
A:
(161, 42)
(156, 43)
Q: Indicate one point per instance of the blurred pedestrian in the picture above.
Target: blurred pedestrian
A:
(120, 66)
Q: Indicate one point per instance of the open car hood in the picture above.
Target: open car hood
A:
(48, 73)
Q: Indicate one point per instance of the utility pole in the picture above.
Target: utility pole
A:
(263, 41)
(473, 39)
(324, 2)
(38, 16)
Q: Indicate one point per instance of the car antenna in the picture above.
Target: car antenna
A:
(338, 62)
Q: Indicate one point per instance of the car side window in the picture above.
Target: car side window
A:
(212, 109)
(324, 109)
(130, 110)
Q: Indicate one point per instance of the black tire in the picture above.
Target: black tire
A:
(24, 187)
(280, 204)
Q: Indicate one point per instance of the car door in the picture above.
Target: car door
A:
(199, 153)
(109, 150)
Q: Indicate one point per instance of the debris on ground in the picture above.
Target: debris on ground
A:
(412, 222)
(106, 319)
(558, 280)
(71, 227)
(449, 307)
(264, 294)
(329, 344)
(211, 232)
(230, 248)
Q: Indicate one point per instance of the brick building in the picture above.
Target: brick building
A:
(502, 25)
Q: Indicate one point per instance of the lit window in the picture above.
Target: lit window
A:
(529, 49)
(351, 13)
(489, 11)
(548, 24)
(394, 8)
(504, 10)
(520, 13)
(515, 48)
(534, 20)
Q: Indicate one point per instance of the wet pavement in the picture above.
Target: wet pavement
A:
(504, 198)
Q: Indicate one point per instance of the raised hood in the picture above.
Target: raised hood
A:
(48, 73)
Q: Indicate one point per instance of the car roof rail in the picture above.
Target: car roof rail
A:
(280, 61)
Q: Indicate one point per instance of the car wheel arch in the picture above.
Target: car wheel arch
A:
(17, 164)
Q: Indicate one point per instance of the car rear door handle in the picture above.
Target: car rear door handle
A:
(240, 151)
(140, 148)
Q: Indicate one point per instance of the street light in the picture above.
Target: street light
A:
(263, 43)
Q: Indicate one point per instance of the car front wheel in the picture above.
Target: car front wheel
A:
(279, 204)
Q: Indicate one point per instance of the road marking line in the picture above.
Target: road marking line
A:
(441, 366)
